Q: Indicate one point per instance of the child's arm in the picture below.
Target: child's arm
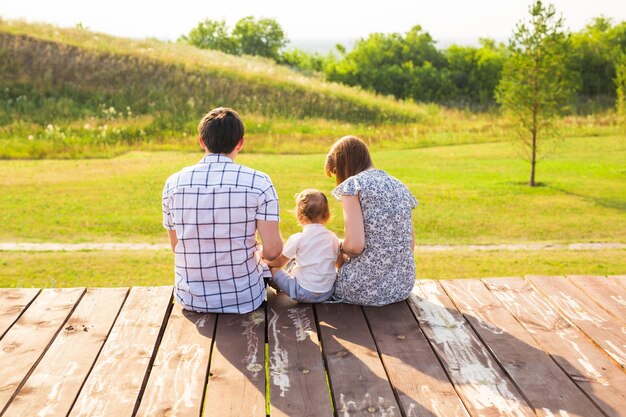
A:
(279, 262)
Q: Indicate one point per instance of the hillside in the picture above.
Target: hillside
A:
(150, 75)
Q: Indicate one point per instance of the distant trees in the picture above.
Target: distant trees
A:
(250, 36)
(536, 85)
(411, 66)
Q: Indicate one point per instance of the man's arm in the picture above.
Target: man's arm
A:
(173, 239)
(272, 241)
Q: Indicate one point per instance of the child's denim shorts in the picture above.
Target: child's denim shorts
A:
(290, 286)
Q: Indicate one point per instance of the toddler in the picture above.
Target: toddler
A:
(314, 251)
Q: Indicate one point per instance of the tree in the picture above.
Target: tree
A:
(211, 34)
(620, 81)
(263, 37)
(536, 86)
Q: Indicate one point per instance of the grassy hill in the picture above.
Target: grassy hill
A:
(74, 82)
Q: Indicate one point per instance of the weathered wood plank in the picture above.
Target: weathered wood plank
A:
(13, 301)
(420, 382)
(620, 279)
(480, 382)
(30, 336)
(357, 377)
(548, 389)
(606, 293)
(114, 383)
(178, 377)
(585, 314)
(57, 379)
(297, 375)
(237, 371)
(599, 377)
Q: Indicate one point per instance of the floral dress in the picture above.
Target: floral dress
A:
(384, 272)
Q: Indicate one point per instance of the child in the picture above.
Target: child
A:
(316, 251)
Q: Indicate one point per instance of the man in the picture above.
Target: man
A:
(212, 211)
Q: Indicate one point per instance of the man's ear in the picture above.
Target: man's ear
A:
(239, 144)
(201, 142)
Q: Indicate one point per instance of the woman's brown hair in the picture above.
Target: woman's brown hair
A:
(348, 156)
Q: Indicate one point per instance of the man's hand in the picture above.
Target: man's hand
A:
(272, 240)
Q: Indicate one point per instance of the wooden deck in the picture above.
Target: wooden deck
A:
(545, 346)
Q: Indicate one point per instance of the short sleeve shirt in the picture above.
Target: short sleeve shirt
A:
(315, 250)
(213, 206)
(384, 272)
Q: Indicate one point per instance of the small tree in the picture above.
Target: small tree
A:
(211, 34)
(263, 37)
(620, 81)
(536, 85)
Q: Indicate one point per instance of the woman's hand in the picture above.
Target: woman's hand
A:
(354, 230)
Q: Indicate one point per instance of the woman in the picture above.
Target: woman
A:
(379, 268)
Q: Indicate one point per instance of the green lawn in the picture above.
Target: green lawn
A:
(469, 193)
(74, 269)
(472, 193)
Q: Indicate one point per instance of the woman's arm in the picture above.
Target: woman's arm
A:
(354, 242)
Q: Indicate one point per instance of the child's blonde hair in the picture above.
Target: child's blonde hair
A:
(312, 206)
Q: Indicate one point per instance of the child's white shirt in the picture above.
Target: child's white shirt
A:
(316, 250)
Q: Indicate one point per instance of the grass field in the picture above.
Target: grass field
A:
(469, 193)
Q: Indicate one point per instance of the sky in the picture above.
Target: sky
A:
(459, 21)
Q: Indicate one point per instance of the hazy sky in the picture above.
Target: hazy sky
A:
(459, 20)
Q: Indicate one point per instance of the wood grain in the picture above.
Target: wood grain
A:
(549, 390)
(479, 380)
(595, 374)
(114, 384)
(357, 377)
(13, 301)
(420, 382)
(30, 336)
(596, 323)
(237, 372)
(55, 383)
(178, 377)
(606, 293)
(297, 375)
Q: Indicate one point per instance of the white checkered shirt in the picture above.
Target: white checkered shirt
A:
(214, 206)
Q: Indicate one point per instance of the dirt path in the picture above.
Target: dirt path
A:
(61, 247)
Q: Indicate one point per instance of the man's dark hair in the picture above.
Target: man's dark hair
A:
(221, 129)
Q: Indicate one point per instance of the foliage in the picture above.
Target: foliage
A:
(536, 87)
(595, 54)
(620, 81)
(211, 34)
(250, 36)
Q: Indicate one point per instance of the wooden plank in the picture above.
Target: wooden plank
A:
(589, 368)
(357, 377)
(236, 384)
(30, 336)
(606, 293)
(481, 383)
(178, 377)
(420, 382)
(13, 301)
(297, 376)
(115, 382)
(585, 314)
(55, 383)
(620, 279)
(548, 389)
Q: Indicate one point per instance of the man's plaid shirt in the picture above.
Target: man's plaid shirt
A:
(214, 206)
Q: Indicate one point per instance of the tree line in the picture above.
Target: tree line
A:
(411, 66)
